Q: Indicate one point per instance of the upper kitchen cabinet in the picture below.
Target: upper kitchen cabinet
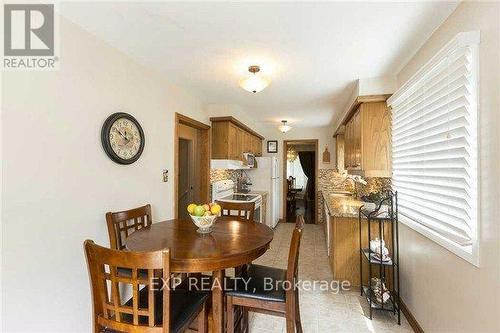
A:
(231, 138)
(367, 139)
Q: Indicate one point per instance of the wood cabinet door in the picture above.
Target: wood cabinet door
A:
(339, 151)
(376, 139)
(253, 144)
(348, 144)
(220, 140)
(258, 146)
(357, 151)
(247, 142)
(240, 142)
(233, 142)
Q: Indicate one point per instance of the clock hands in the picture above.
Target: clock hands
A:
(124, 136)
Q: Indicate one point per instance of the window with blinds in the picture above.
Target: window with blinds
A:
(435, 147)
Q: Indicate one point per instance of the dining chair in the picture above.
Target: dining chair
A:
(253, 295)
(122, 224)
(154, 308)
(241, 210)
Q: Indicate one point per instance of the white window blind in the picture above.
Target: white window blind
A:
(435, 148)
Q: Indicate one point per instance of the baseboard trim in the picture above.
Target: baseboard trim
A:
(411, 319)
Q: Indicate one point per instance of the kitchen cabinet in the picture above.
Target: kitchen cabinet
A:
(367, 140)
(256, 146)
(234, 142)
(344, 247)
(339, 147)
(231, 138)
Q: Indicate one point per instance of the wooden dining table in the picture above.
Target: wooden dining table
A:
(232, 243)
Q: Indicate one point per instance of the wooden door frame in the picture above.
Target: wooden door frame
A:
(204, 155)
(315, 142)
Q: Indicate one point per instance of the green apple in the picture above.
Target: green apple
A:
(199, 211)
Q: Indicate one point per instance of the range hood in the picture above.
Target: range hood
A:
(228, 164)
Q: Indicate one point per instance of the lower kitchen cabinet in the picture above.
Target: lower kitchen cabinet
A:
(344, 247)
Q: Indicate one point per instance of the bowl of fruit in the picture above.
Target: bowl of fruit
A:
(204, 216)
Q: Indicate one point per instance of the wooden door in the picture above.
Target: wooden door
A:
(185, 180)
(189, 181)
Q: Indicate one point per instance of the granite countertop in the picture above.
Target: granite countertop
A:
(341, 206)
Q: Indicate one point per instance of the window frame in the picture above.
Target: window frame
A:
(464, 39)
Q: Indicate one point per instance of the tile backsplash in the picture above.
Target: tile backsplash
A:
(330, 180)
(223, 174)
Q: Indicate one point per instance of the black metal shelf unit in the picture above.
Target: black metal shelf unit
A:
(388, 270)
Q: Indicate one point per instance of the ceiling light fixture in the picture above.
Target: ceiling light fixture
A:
(254, 83)
(291, 154)
(284, 128)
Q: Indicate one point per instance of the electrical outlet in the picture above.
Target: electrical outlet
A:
(165, 175)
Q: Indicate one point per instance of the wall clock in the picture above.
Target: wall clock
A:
(122, 138)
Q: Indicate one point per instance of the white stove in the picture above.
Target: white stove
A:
(223, 190)
(240, 197)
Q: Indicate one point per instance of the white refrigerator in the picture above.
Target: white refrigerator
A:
(266, 177)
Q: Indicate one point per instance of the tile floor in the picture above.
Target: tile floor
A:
(321, 311)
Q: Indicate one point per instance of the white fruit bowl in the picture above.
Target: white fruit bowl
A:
(204, 223)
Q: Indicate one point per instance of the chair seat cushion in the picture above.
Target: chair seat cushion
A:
(255, 283)
(183, 306)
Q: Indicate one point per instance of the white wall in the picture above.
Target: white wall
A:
(58, 183)
(444, 292)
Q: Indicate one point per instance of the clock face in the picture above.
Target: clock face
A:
(122, 138)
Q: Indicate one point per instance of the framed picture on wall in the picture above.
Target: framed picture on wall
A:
(272, 146)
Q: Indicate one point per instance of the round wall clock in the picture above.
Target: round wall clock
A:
(122, 138)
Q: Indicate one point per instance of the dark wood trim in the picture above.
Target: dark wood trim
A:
(237, 123)
(354, 106)
(315, 142)
(182, 119)
(411, 319)
(204, 156)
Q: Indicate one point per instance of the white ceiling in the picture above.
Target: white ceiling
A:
(313, 52)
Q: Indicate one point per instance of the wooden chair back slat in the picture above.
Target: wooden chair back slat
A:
(293, 255)
(109, 312)
(151, 301)
(122, 224)
(240, 210)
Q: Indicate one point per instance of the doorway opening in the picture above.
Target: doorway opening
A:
(300, 180)
(192, 164)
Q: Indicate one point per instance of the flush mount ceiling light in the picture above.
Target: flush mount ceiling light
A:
(255, 82)
(284, 128)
